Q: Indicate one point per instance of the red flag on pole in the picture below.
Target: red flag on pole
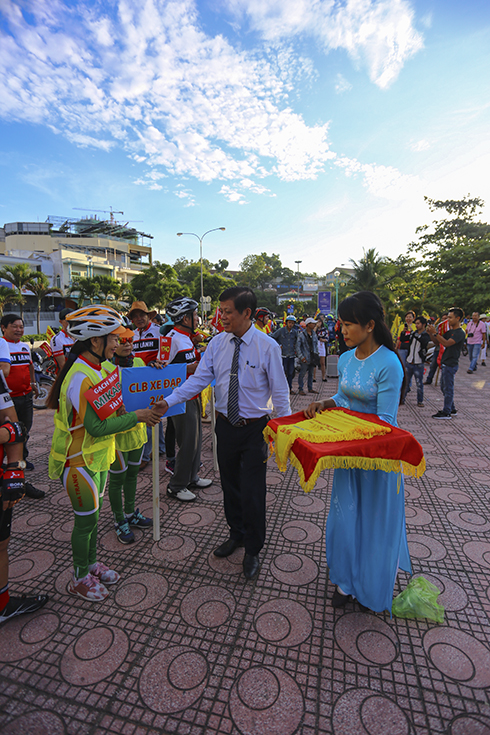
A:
(216, 320)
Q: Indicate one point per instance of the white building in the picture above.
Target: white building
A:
(68, 249)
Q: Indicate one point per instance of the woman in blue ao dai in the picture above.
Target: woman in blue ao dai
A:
(366, 540)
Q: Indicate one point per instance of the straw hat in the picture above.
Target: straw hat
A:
(141, 306)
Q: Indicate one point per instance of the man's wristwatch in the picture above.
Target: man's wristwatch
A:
(20, 465)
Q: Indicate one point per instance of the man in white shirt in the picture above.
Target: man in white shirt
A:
(187, 426)
(62, 343)
(247, 367)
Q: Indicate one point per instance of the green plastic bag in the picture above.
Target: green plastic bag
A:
(418, 600)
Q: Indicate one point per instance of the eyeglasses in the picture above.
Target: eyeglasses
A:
(124, 340)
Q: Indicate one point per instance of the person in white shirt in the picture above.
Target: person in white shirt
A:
(187, 426)
(247, 367)
(62, 343)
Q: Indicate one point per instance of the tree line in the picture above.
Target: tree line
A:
(447, 265)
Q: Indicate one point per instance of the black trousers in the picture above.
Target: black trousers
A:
(242, 459)
(25, 413)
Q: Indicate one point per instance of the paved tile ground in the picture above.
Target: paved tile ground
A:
(185, 645)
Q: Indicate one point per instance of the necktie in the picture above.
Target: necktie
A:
(233, 407)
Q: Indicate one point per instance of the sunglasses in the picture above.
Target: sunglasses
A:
(124, 340)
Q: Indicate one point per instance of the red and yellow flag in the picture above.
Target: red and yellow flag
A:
(392, 450)
(216, 320)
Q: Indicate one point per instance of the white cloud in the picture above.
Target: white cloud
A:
(385, 182)
(255, 188)
(88, 141)
(378, 33)
(419, 145)
(150, 180)
(342, 85)
(186, 195)
(232, 195)
(144, 77)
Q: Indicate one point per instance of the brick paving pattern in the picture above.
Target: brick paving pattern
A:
(185, 645)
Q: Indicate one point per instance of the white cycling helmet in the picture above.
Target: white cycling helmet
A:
(178, 308)
(94, 321)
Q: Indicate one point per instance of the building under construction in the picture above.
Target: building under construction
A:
(79, 247)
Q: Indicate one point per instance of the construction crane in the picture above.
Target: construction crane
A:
(104, 211)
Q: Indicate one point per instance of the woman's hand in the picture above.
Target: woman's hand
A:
(157, 364)
(148, 416)
(313, 409)
(121, 411)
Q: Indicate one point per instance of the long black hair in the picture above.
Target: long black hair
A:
(363, 307)
(75, 352)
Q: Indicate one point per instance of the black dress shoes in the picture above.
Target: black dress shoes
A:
(251, 565)
(227, 548)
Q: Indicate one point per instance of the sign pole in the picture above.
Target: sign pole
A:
(156, 481)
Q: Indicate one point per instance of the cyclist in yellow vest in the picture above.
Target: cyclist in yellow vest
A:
(123, 473)
(84, 446)
(262, 319)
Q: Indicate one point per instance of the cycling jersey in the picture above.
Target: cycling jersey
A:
(4, 351)
(5, 399)
(182, 349)
(19, 379)
(146, 343)
(61, 344)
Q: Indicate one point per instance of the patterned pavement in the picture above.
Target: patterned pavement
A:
(185, 645)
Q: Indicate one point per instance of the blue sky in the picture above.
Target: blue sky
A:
(308, 128)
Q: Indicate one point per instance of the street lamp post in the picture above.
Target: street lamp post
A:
(179, 234)
(297, 263)
(336, 276)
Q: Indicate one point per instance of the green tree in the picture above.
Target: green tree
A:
(252, 269)
(107, 285)
(415, 291)
(214, 285)
(20, 276)
(258, 271)
(376, 273)
(221, 265)
(8, 296)
(39, 285)
(157, 285)
(122, 292)
(289, 277)
(191, 272)
(269, 300)
(456, 254)
(186, 269)
(86, 288)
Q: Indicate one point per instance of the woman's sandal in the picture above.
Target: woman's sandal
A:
(340, 600)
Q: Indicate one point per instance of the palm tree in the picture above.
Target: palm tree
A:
(368, 272)
(121, 292)
(378, 274)
(20, 276)
(7, 296)
(39, 285)
(87, 289)
(107, 286)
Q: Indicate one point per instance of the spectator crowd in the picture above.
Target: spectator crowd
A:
(253, 360)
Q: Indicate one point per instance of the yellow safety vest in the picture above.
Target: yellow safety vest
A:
(133, 438)
(98, 452)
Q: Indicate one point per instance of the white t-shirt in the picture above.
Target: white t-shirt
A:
(4, 351)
